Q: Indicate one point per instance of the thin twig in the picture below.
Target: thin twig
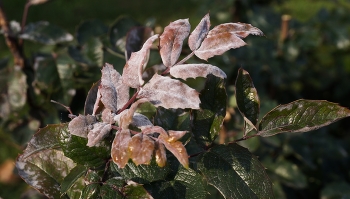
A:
(24, 19)
(66, 107)
(243, 138)
(131, 100)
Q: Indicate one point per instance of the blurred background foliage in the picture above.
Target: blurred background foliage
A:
(305, 54)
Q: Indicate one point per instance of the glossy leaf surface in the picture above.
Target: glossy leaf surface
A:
(235, 172)
(42, 165)
(247, 98)
(187, 183)
(208, 120)
(75, 148)
(142, 173)
(301, 116)
(90, 29)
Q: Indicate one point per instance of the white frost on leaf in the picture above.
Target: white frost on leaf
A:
(169, 93)
(185, 71)
(81, 125)
(133, 69)
(199, 33)
(114, 93)
(224, 37)
(99, 131)
(171, 41)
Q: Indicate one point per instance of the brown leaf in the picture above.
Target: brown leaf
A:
(133, 69)
(81, 125)
(160, 154)
(175, 135)
(199, 33)
(172, 39)
(99, 131)
(224, 37)
(169, 93)
(119, 152)
(114, 93)
(155, 129)
(242, 30)
(178, 150)
(185, 71)
(141, 149)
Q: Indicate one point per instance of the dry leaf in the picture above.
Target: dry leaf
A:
(120, 152)
(172, 39)
(199, 33)
(175, 135)
(133, 69)
(178, 150)
(185, 71)
(81, 125)
(169, 93)
(160, 154)
(114, 93)
(99, 131)
(141, 149)
(224, 37)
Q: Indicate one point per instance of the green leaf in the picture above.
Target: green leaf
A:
(93, 51)
(142, 173)
(91, 191)
(42, 165)
(186, 184)
(208, 120)
(135, 191)
(301, 116)
(235, 172)
(172, 119)
(65, 69)
(76, 189)
(118, 31)
(89, 30)
(46, 75)
(75, 148)
(112, 188)
(45, 33)
(147, 109)
(247, 99)
(72, 177)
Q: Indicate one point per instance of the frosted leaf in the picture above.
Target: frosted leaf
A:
(171, 41)
(224, 37)
(185, 71)
(120, 152)
(169, 93)
(175, 135)
(81, 125)
(199, 33)
(141, 149)
(126, 117)
(133, 69)
(99, 131)
(114, 93)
